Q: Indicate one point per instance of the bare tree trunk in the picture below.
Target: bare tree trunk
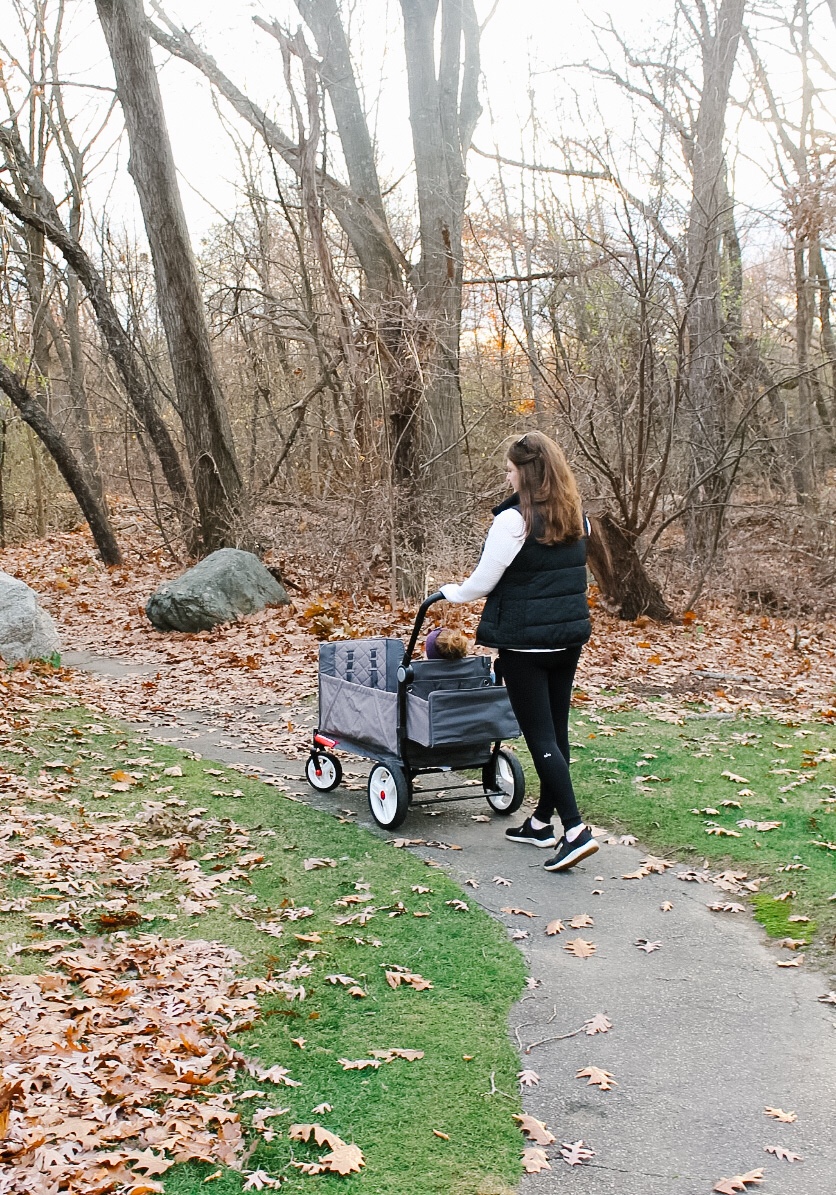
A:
(443, 111)
(215, 472)
(622, 579)
(828, 340)
(71, 469)
(801, 436)
(707, 373)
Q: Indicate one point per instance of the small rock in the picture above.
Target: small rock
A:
(224, 587)
(26, 631)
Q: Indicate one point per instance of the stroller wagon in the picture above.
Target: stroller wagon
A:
(413, 718)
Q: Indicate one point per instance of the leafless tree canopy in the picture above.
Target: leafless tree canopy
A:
(332, 367)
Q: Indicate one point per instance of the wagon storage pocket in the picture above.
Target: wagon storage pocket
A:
(460, 716)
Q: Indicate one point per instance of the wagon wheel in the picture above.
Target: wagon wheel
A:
(504, 782)
(388, 795)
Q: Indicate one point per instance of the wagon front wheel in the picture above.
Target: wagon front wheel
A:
(504, 782)
(388, 795)
(323, 771)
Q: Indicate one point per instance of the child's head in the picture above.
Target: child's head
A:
(446, 644)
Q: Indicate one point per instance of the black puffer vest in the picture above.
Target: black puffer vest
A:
(540, 599)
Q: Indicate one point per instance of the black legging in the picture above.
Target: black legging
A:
(539, 685)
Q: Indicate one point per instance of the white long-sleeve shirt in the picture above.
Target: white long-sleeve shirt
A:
(504, 542)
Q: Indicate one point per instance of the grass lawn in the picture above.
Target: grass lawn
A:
(670, 785)
(93, 775)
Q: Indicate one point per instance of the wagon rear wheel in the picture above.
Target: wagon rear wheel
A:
(504, 782)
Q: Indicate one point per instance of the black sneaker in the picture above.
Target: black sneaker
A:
(527, 833)
(570, 853)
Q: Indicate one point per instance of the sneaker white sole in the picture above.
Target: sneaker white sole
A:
(573, 857)
(550, 843)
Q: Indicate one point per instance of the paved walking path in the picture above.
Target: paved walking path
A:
(707, 1030)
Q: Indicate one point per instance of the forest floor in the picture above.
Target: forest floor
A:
(704, 1024)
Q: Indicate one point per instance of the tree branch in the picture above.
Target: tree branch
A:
(565, 171)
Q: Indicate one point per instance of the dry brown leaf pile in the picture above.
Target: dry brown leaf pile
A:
(108, 1056)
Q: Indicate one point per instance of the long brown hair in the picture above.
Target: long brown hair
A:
(549, 499)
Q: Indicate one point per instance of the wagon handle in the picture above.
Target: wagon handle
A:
(419, 619)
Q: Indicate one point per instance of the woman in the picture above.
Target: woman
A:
(533, 573)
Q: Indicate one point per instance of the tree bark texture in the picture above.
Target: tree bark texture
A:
(708, 387)
(443, 111)
(625, 586)
(201, 405)
(71, 469)
(42, 214)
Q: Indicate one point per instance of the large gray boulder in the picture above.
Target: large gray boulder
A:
(223, 588)
(26, 631)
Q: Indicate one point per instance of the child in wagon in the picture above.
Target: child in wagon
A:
(445, 643)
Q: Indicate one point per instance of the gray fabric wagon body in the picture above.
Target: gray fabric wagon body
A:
(452, 706)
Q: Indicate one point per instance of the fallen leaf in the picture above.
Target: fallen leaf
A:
(782, 1154)
(597, 1078)
(535, 1130)
(534, 1160)
(321, 1135)
(728, 1186)
(517, 912)
(345, 1159)
(314, 864)
(597, 1024)
(827, 998)
(359, 1064)
(395, 976)
(528, 1078)
(792, 962)
(392, 1054)
(582, 921)
(501, 882)
(258, 1180)
(647, 947)
(735, 779)
(780, 1114)
(460, 906)
(580, 948)
(726, 907)
(576, 1153)
(150, 1162)
(555, 927)
(666, 906)
(443, 1136)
